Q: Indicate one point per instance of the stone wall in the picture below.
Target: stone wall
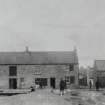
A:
(30, 72)
(4, 75)
(26, 74)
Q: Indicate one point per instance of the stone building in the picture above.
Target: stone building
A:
(99, 72)
(24, 69)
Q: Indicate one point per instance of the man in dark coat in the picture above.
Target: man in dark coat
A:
(90, 84)
(52, 87)
(97, 85)
(62, 87)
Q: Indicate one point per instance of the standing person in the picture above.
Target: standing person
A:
(62, 87)
(52, 87)
(97, 85)
(40, 83)
(90, 84)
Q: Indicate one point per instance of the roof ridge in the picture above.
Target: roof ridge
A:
(32, 51)
(38, 57)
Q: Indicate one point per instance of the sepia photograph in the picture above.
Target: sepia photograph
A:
(52, 52)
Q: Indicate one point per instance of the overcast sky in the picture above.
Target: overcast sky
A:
(54, 25)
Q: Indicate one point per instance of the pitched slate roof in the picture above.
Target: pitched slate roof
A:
(100, 65)
(48, 57)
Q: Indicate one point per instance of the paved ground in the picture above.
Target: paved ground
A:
(45, 97)
(85, 97)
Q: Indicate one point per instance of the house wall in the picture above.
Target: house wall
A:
(4, 77)
(29, 72)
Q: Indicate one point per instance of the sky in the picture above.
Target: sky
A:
(54, 25)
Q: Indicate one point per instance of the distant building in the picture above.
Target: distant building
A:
(90, 75)
(99, 72)
(24, 69)
(82, 76)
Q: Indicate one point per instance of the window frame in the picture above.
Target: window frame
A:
(12, 70)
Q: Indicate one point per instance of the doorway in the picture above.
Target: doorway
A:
(13, 83)
(52, 82)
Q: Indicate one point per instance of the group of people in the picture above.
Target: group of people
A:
(62, 87)
(97, 85)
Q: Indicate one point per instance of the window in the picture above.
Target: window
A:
(21, 79)
(71, 67)
(44, 81)
(72, 79)
(41, 81)
(67, 79)
(12, 71)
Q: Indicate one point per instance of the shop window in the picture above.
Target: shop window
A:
(41, 81)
